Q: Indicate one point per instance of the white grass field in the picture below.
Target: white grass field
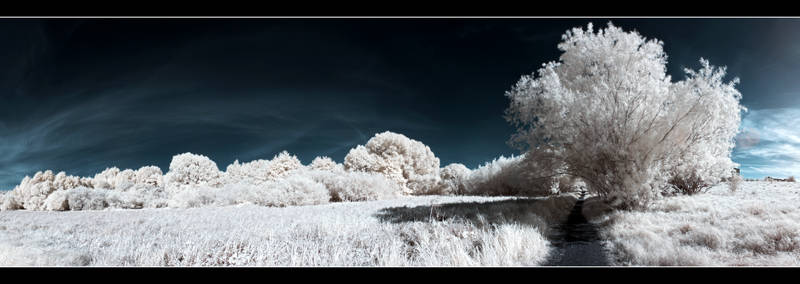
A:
(410, 231)
(759, 225)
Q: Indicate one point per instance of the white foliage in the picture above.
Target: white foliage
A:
(453, 179)
(355, 186)
(9, 202)
(105, 179)
(282, 165)
(86, 199)
(262, 171)
(291, 191)
(325, 164)
(300, 190)
(125, 180)
(188, 170)
(57, 201)
(31, 193)
(149, 177)
(616, 119)
(409, 163)
(514, 176)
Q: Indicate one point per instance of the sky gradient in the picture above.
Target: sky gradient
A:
(80, 95)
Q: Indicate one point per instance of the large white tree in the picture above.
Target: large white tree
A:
(619, 122)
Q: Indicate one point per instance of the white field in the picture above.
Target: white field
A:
(455, 231)
(757, 225)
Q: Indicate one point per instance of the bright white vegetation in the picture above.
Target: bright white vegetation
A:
(612, 116)
(410, 231)
(262, 171)
(515, 176)
(325, 164)
(389, 166)
(453, 179)
(409, 163)
(355, 186)
(756, 225)
(189, 170)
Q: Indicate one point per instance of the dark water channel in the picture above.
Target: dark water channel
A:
(576, 242)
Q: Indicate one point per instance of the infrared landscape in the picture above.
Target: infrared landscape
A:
(604, 152)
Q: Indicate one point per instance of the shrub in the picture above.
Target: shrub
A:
(291, 191)
(355, 186)
(31, 193)
(282, 165)
(149, 177)
(9, 202)
(409, 163)
(106, 179)
(453, 179)
(84, 198)
(189, 170)
(687, 184)
(262, 171)
(325, 164)
(511, 177)
(125, 180)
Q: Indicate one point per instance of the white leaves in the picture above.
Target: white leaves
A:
(356, 186)
(616, 119)
(453, 179)
(194, 180)
(409, 163)
(262, 171)
(187, 170)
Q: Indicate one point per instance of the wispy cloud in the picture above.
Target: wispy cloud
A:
(769, 144)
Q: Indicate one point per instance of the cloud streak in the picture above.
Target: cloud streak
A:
(769, 144)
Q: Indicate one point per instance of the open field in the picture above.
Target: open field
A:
(757, 225)
(410, 231)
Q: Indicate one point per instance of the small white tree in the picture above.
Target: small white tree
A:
(453, 179)
(616, 119)
(149, 177)
(408, 162)
(188, 170)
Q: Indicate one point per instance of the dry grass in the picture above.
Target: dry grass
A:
(757, 225)
(481, 231)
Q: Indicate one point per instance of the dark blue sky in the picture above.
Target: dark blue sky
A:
(80, 95)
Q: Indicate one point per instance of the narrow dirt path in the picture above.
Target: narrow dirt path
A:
(576, 241)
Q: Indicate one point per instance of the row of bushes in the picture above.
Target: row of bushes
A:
(388, 166)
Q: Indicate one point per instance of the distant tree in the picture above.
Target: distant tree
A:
(409, 163)
(187, 171)
(453, 179)
(619, 122)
